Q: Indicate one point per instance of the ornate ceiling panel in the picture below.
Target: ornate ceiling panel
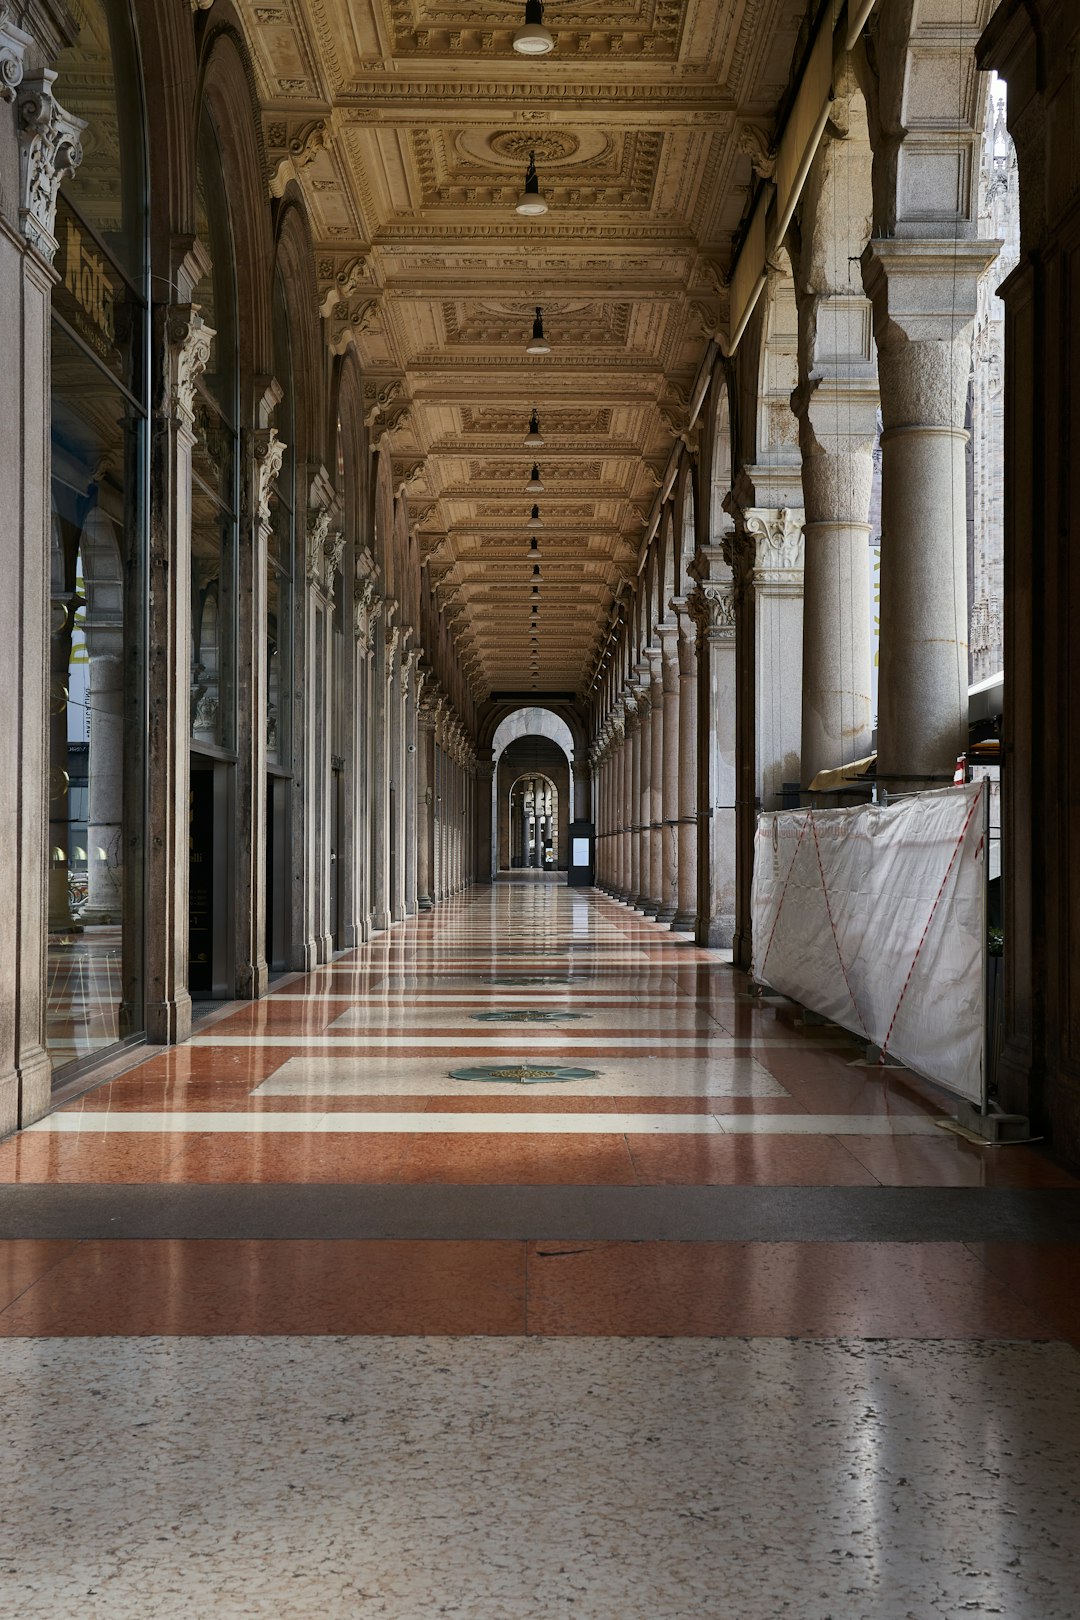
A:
(409, 124)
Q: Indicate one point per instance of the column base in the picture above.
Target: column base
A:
(425, 903)
(99, 916)
(169, 1022)
(684, 922)
(326, 947)
(716, 933)
(380, 922)
(253, 980)
(9, 1102)
(34, 1085)
(649, 908)
(665, 915)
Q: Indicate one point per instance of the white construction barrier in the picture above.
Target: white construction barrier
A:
(875, 917)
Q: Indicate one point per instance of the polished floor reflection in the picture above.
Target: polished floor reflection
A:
(732, 1325)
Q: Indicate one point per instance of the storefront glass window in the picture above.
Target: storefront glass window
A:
(98, 557)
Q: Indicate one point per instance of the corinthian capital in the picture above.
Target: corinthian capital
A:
(13, 44)
(268, 452)
(190, 341)
(49, 148)
(712, 608)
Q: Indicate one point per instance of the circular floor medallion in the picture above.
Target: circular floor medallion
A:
(523, 1074)
(529, 978)
(527, 1015)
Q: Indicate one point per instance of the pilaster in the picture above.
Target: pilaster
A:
(711, 605)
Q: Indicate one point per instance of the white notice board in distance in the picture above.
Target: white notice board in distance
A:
(580, 853)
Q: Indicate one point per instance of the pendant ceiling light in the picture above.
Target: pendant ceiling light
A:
(538, 343)
(531, 202)
(534, 486)
(536, 570)
(533, 38)
(532, 439)
(534, 519)
(534, 548)
(536, 590)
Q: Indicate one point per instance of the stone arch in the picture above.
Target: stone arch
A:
(533, 721)
(295, 263)
(226, 90)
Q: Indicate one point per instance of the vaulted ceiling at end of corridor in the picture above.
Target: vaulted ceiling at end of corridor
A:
(409, 125)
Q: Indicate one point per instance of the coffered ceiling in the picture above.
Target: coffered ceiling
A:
(409, 124)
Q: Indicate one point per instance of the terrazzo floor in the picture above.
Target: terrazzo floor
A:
(293, 1324)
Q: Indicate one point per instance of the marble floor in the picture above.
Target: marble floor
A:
(725, 1325)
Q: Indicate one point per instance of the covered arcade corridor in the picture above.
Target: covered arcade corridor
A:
(721, 1323)
(539, 831)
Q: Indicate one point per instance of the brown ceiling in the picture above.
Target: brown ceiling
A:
(408, 124)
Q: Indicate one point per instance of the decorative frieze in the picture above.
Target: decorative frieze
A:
(49, 149)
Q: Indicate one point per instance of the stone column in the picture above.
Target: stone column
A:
(264, 453)
(767, 556)
(105, 808)
(638, 708)
(653, 794)
(669, 817)
(924, 300)
(835, 403)
(397, 698)
(712, 607)
(628, 706)
(439, 810)
(310, 831)
(535, 851)
(643, 810)
(487, 855)
(685, 918)
(415, 682)
(385, 657)
(48, 148)
(185, 341)
(426, 716)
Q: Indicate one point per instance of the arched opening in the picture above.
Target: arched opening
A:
(97, 652)
(533, 825)
(532, 742)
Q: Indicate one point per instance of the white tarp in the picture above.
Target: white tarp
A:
(875, 917)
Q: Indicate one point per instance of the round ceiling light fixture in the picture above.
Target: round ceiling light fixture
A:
(538, 343)
(532, 439)
(533, 38)
(531, 203)
(534, 521)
